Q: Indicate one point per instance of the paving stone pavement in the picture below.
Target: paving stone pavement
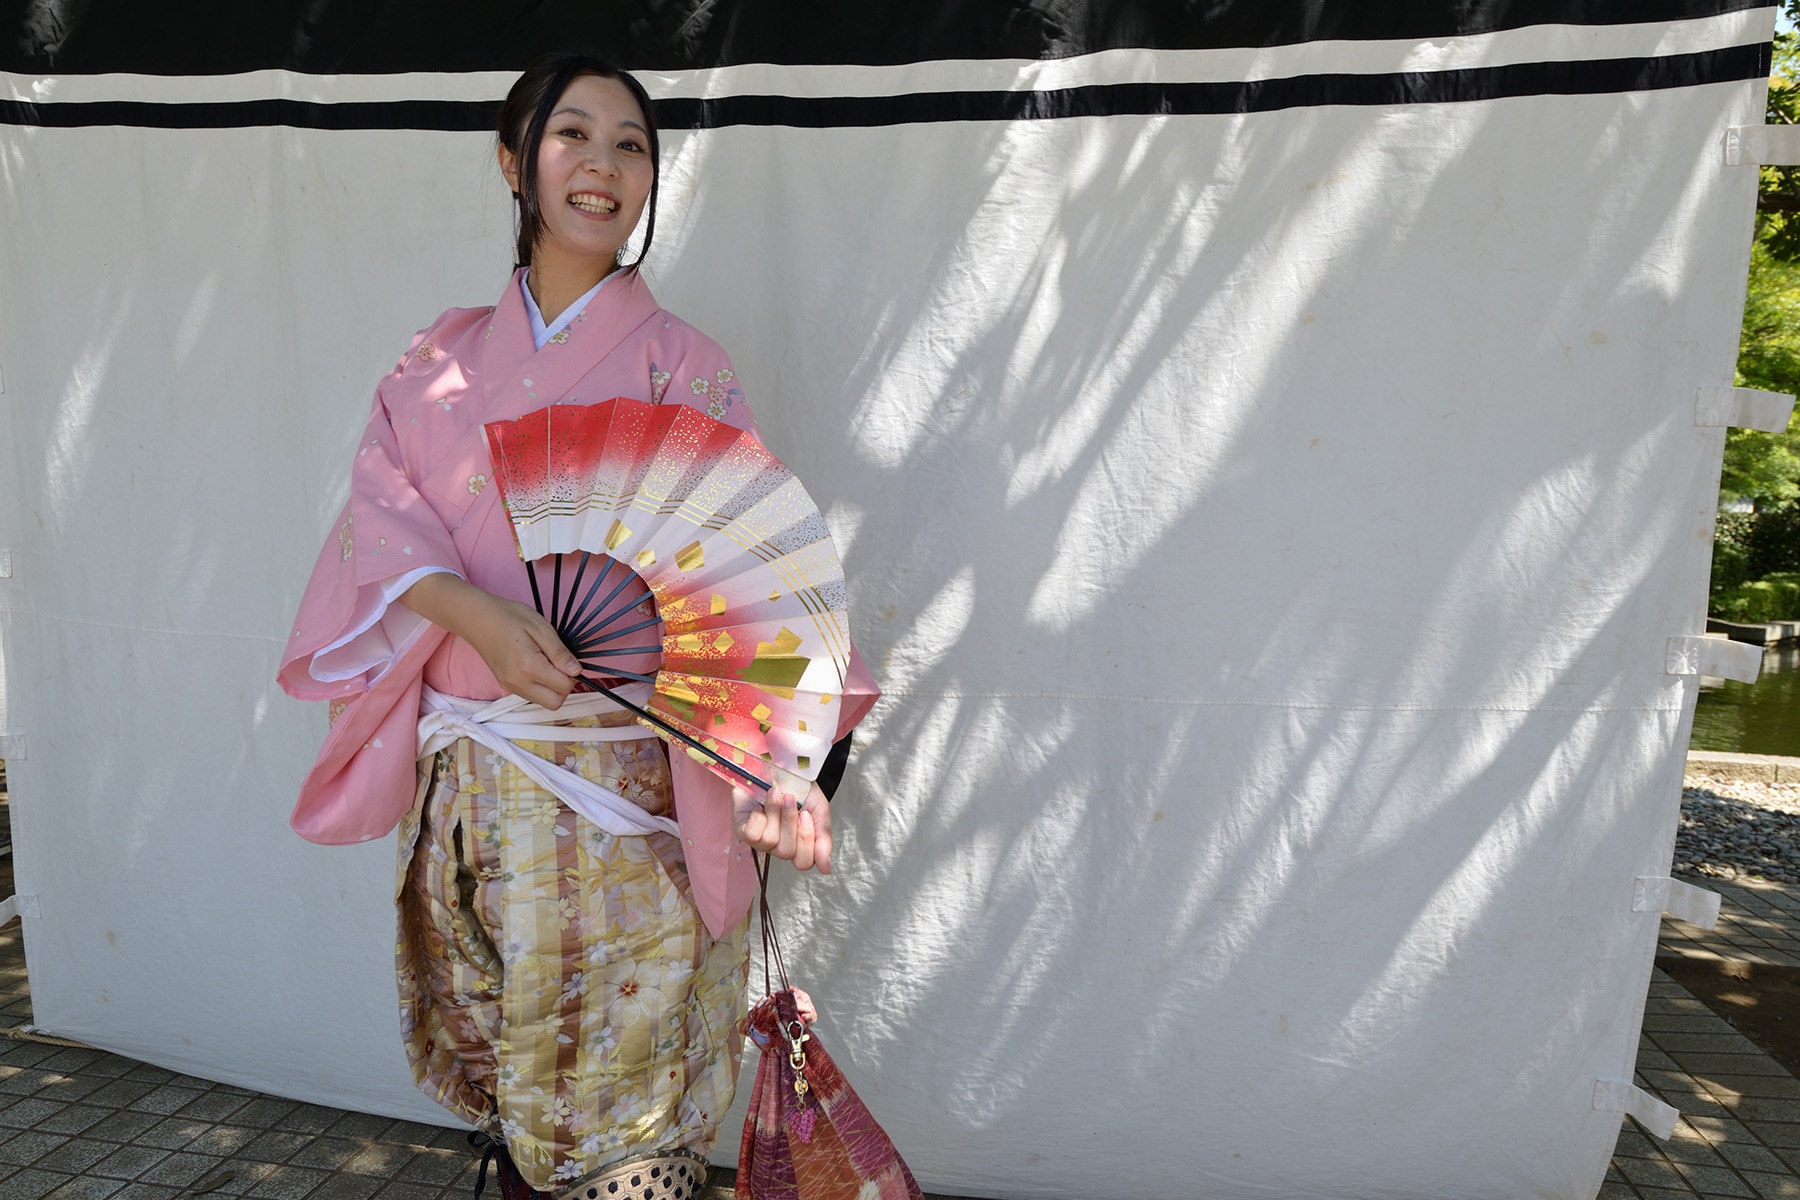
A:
(81, 1124)
(1739, 1133)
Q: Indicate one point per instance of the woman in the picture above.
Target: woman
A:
(573, 988)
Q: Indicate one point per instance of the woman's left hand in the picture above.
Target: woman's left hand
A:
(777, 823)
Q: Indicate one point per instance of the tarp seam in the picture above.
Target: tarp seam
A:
(203, 633)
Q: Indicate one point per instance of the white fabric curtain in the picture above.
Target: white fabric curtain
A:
(1268, 529)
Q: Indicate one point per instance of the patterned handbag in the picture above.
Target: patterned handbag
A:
(808, 1136)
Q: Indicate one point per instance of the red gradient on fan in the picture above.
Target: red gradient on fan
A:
(745, 577)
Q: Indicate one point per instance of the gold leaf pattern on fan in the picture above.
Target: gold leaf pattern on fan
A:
(776, 667)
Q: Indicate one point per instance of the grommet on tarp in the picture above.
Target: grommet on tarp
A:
(1762, 146)
(1713, 656)
(1683, 901)
(1616, 1095)
(1746, 408)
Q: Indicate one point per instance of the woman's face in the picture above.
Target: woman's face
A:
(593, 171)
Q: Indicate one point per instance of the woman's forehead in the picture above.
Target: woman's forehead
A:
(600, 99)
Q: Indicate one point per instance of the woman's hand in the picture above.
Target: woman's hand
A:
(516, 643)
(776, 822)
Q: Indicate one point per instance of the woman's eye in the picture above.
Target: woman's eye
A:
(632, 146)
(572, 133)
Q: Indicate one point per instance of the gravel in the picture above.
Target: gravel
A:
(1735, 829)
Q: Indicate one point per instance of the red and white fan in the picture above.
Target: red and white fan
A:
(738, 560)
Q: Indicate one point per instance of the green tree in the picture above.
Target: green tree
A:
(1764, 468)
(1778, 201)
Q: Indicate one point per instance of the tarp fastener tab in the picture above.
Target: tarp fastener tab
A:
(1683, 901)
(1746, 408)
(1618, 1095)
(1713, 656)
(1762, 146)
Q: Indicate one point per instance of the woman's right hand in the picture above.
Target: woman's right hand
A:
(516, 643)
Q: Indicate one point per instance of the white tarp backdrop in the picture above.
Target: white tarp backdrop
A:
(1268, 527)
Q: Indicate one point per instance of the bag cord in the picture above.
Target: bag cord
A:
(771, 947)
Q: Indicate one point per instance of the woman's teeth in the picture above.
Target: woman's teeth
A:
(594, 204)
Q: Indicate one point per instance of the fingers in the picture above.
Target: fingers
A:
(546, 668)
(554, 652)
(787, 816)
(534, 677)
(774, 823)
(804, 851)
(543, 694)
(756, 820)
(818, 811)
(518, 646)
(756, 831)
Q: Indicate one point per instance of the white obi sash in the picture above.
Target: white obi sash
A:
(496, 723)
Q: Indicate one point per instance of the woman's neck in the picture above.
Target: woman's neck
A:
(556, 282)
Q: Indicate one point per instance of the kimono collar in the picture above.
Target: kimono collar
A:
(520, 378)
(542, 331)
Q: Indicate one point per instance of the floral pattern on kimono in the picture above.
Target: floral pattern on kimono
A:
(557, 987)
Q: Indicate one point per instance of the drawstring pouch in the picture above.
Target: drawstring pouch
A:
(807, 1136)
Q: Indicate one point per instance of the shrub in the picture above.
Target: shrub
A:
(1774, 542)
(1776, 598)
(1731, 550)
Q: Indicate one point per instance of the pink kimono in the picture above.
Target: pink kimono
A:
(420, 498)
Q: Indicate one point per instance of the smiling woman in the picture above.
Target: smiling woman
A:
(594, 173)
(572, 904)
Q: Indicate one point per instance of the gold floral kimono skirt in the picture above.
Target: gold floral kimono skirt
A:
(557, 986)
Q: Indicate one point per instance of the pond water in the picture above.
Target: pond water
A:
(1753, 718)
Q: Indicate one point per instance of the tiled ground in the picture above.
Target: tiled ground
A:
(79, 1124)
(1758, 923)
(86, 1125)
(1739, 1134)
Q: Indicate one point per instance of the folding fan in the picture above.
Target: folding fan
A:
(737, 559)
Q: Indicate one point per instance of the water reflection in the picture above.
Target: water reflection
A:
(1753, 718)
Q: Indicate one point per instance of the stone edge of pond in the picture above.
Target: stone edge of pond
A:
(1752, 768)
(1757, 633)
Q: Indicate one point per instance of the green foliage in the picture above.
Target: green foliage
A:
(1775, 543)
(1778, 201)
(1731, 550)
(1776, 598)
(1764, 468)
(1750, 546)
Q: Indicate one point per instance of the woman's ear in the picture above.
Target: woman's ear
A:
(509, 168)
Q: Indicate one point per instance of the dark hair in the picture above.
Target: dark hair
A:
(525, 114)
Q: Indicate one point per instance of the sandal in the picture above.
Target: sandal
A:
(657, 1175)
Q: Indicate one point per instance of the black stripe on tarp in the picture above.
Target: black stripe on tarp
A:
(1601, 76)
(366, 37)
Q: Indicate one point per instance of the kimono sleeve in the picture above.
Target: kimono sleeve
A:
(705, 379)
(349, 631)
